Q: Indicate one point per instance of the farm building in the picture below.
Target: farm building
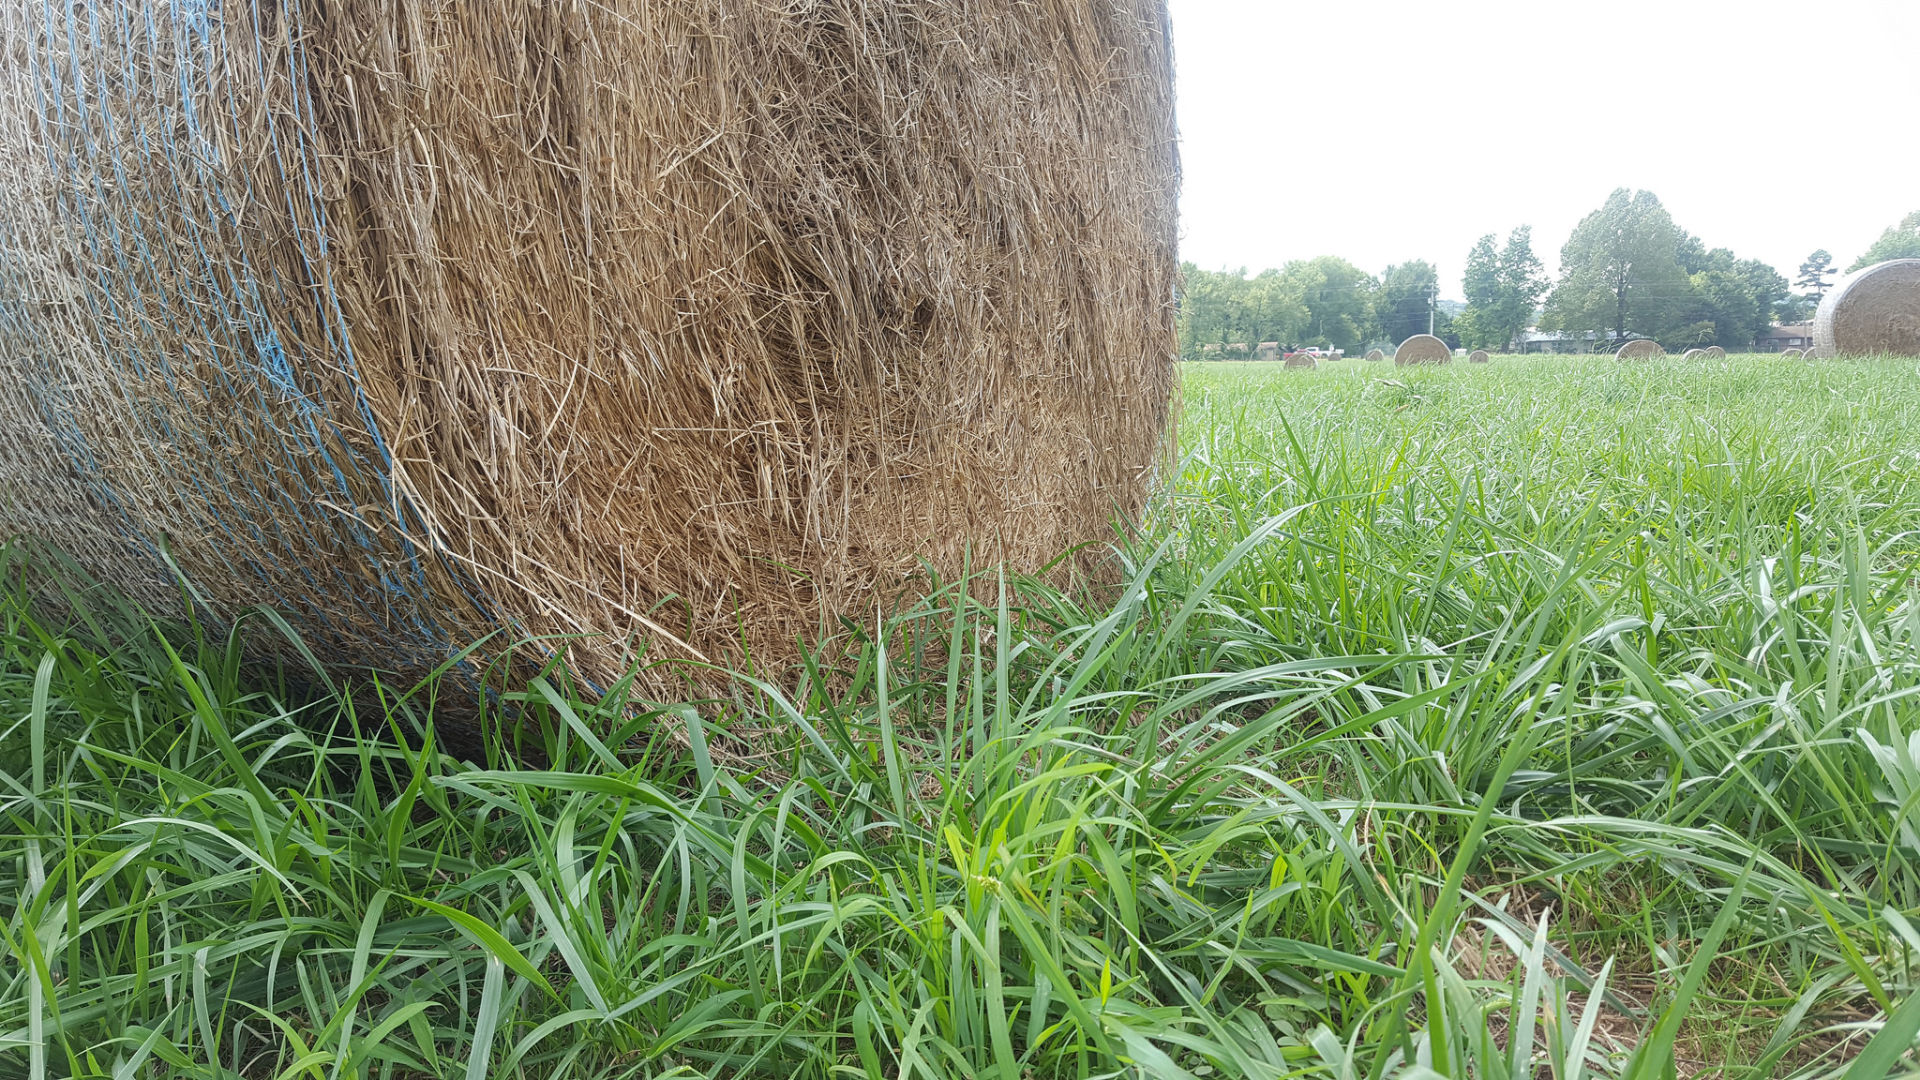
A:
(1535, 340)
(1782, 338)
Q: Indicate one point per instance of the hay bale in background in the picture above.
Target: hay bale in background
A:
(681, 326)
(1693, 354)
(1478, 356)
(1791, 354)
(1301, 360)
(1422, 349)
(1376, 354)
(1871, 312)
(1639, 350)
(1713, 352)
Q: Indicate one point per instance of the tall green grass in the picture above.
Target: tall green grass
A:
(1554, 718)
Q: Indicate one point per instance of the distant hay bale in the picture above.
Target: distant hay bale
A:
(1791, 354)
(1422, 349)
(1693, 354)
(1642, 349)
(676, 328)
(1302, 360)
(1478, 356)
(1871, 312)
(1713, 352)
(1376, 354)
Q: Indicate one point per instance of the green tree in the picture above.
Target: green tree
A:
(1338, 297)
(1503, 286)
(1405, 300)
(1902, 241)
(1222, 307)
(1733, 300)
(1813, 274)
(1620, 271)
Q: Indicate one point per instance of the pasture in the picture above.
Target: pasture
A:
(1552, 717)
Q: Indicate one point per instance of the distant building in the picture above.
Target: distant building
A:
(1535, 340)
(1269, 350)
(1781, 338)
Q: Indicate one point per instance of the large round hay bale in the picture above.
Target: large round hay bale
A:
(1871, 312)
(1639, 350)
(669, 328)
(1713, 352)
(1478, 356)
(1376, 354)
(1693, 354)
(1301, 360)
(1791, 354)
(1422, 349)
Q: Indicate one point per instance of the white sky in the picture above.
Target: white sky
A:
(1387, 130)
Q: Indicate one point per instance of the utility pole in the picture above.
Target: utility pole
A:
(1433, 299)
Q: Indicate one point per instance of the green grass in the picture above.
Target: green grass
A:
(1550, 718)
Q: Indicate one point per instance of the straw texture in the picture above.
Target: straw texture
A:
(1643, 349)
(1873, 311)
(681, 326)
(1422, 349)
(1479, 356)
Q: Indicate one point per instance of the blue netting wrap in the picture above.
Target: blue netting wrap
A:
(160, 384)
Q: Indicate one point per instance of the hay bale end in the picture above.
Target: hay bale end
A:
(1422, 349)
(662, 330)
(1871, 312)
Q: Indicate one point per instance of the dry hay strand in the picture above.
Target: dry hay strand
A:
(1302, 360)
(1714, 352)
(1791, 354)
(1376, 354)
(1422, 349)
(1871, 312)
(625, 327)
(1478, 356)
(1643, 349)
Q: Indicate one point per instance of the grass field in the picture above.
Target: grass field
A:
(1549, 718)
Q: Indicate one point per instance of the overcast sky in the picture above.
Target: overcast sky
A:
(1387, 130)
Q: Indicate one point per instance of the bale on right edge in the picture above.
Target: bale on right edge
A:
(1872, 312)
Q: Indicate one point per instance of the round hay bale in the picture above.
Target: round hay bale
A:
(1871, 312)
(1714, 352)
(1422, 349)
(640, 330)
(1642, 349)
(1693, 354)
(1478, 356)
(1301, 360)
(1791, 354)
(1376, 354)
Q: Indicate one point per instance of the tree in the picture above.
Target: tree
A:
(1620, 271)
(1339, 300)
(1902, 241)
(1503, 287)
(1733, 300)
(1219, 307)
(1403, 305)
(1813, 274)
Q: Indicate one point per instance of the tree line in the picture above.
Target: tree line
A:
(1626, 271)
